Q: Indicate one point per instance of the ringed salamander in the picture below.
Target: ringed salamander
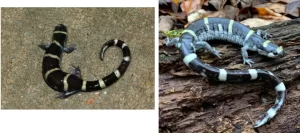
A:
(71, 83)
(195, 37)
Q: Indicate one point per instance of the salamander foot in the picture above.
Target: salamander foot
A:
(248, 61)
(63, 95)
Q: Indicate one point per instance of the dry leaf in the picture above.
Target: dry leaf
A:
(293, 8)
(180, 15)
(197, 15)
(269, 14)
(184, 73)
(277, 7)
(234, 2)
(230, 11)
(166, 23)
(259, 2)
(244, 14)
(256, 22)
(284, 1)
(191, 5)
(217, 14)
(200, 14)
(218, 4)
(246, 3)
(236, 66)
(176, 1)
(164, 2)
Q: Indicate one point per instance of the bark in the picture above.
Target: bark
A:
(190, 103)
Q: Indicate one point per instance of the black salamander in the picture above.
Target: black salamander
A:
(67, 83)
(196, 35)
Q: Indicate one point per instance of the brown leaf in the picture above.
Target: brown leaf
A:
(236, 66)
(246, 3)
(234, 2)
(293, 8)
(191, 5)
(244, 14)
(284, 1)
(218, 4)
(180, 15)
(269, 14)
(197, 15)
(164, 2)
(259, 2)
(200, 14)
(184, 73)
(166, 23)
(277, 7)
(218, 14)
(256, 22)
(230, 11)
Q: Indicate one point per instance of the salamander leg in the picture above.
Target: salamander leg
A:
(69, 49)
(205, 45)
(171, 42)
(63, 95)
(245, 56)
(75, 71)
(263, 34)
(44, 46)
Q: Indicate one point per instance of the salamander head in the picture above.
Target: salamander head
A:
(271, 50)
(60, 34)
(61, 27)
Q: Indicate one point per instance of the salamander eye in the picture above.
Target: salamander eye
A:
(274, 52)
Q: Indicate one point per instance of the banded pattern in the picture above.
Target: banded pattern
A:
(65, 82)
(196, 35)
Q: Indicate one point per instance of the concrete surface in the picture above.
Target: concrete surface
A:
(23, 29)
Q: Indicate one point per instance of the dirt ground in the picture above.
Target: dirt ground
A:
(23, 29)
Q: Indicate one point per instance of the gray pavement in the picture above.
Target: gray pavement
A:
(23, 29)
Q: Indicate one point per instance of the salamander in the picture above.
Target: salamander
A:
(195, 37)
(71, 83)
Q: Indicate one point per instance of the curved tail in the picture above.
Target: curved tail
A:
(114, 76)
(280, 91)
(214, 73)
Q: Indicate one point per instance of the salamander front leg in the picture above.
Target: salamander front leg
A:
(245, 56)
(44, 46)
(69, 49)
(171, 42)
(75, 71)
(265, 35)
(205, 45)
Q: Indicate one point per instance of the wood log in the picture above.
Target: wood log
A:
(190, 103)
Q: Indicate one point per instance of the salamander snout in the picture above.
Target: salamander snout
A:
(276, 53)
(271, 50)
(60, 27)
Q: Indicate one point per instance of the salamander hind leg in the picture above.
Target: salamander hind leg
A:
(63, 95)
(69, 49)
(44, 46)
(75, 71)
